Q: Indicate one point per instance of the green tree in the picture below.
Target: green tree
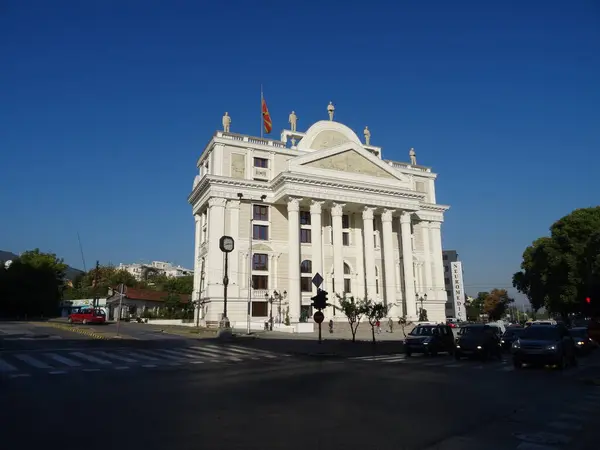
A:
(496, 303)
(32, 285)
(374, 312)
(353, 310)
(558, 272)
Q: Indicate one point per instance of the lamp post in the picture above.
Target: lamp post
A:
(270, 300)
(421, 299)
(226, 244)
(250, 238)
(279, 296)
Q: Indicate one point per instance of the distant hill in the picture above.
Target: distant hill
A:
(70, 274)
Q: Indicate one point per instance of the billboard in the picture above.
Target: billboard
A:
(458, 288)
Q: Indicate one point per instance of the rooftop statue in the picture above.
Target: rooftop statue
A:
(226, 122)
(330, 110)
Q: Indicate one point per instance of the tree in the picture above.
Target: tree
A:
(558, 272)
(496, 303)
(374, 313)
(32, 285)
(353, 310)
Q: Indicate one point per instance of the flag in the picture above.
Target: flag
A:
(268, 125)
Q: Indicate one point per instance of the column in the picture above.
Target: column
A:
(407, 264)
(369, 252)
(360, 267)
(234, 232)
(216, 226)
(438, 264)
(197, 237)
(338, 259)
(294, 295)
(428, 280)
(388, 262)
(316, 238)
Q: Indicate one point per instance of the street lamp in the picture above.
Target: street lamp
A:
(421, 299)
(270, 300)
(250, 237)
(279, 296)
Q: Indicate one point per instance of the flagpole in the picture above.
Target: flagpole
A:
(261, 114)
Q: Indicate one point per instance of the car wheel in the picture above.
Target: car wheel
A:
(70, 320)
(84, 321)
(433, 352)
(408, 354)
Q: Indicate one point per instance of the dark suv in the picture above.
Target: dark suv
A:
(544, 345)
(429, 339)
(478, 340)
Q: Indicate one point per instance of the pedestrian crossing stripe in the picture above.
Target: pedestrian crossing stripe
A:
(54, 362)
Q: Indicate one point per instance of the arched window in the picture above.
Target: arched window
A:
(347, 279)
(306, 275)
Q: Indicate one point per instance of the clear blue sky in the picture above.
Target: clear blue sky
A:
(106, 105)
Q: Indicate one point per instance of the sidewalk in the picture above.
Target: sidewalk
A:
(337, 344)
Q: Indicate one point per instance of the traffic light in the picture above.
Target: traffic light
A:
(320, 300)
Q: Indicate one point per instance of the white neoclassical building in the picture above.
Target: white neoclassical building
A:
(314, 202)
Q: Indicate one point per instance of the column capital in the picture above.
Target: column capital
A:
(435, 225)
(337, 209)
(316, 206)
(197, 217)
(425, 223)
(293, 204)
(233, 204)
(368, 213)
(386, 215)
(215, 201)
(405, 217)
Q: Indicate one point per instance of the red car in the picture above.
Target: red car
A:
(88, 315)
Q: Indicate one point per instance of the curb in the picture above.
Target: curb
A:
(187, 334)
(80, 331)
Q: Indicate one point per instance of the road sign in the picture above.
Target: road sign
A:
(317, 280)
(319, 317)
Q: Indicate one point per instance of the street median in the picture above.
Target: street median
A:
(86, 332)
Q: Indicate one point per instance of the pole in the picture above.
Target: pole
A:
(320, 332)
(96, 300)
(225, 284)
(249, 273)
(81, 249)
(121, 288)
(261, 112)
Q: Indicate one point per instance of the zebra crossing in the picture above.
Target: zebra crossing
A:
(59, 362)
(504, 365)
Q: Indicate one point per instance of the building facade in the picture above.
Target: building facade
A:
(317, 202)
(453, 292)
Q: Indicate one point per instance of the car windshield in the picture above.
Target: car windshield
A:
(422, 331)
(514, 332)
(471, 330)
(99, 312)
(543, 333)
(579, 332)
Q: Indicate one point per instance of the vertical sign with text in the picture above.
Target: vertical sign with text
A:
(458, 289)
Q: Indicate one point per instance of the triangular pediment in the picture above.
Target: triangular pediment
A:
(346, 158)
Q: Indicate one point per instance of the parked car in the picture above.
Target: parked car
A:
(510, 335)
(544, 345)
(478, 340)
(584, 344)
(429, 339)
(88, 315)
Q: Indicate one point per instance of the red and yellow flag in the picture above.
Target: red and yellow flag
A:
(266, 117)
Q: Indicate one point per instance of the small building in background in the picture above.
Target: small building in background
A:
(453, 282)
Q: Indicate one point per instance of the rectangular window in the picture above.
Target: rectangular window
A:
(447, 280)
(260, 232)
(260, 309)
(304, 218)
(260, 261)
(261, 162)
(345, 238)
(306, 284)
(305, 236)
(445, 257)
(345, 221)
(260, 282)
(260, 212)
(347, 285)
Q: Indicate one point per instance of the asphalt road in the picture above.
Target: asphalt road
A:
(249, 401)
